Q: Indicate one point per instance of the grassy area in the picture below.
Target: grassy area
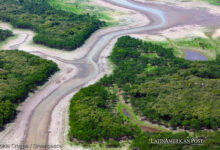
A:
(214, 2)
(135, 119)
(197, 42)
(207, 46)
(84, 7)
(169, 44)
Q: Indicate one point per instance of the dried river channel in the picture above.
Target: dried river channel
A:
(32, 123)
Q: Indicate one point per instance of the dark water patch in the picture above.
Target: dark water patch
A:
(192, 55)
(126, 113)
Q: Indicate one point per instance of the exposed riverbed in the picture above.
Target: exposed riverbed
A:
(78, 69)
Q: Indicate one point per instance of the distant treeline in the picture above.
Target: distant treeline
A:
(4, 34)
(55, 28)
(161, 87)
(20, 73)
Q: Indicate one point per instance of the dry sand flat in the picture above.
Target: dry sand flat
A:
(188, 4)
(196, 23)
(175, 33)
(216, 33)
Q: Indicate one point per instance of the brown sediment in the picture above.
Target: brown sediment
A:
(149, 129)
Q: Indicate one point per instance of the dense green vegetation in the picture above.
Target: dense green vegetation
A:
(161, 87)
(164, 88)
(92, 117)
(55, 28)
(20, 73)
(4, 34)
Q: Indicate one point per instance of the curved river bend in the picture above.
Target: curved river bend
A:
(39, 119)
(38, 126)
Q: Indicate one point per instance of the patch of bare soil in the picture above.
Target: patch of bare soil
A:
(149, 129)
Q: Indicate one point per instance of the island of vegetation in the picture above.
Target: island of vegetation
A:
(55, 28)
(160, 87)
(4, 34)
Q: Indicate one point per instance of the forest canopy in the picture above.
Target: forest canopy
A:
(20, 73)
(55, 28)
(160, 87)
(92, 118)
(164, 88)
